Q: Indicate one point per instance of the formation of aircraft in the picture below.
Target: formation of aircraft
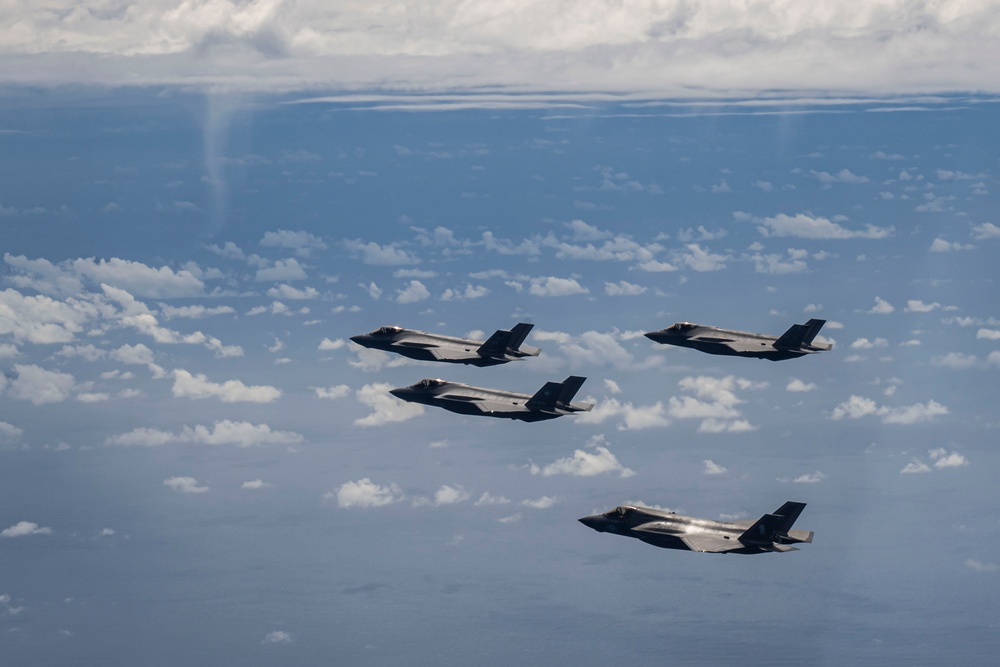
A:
(553, 400)
(796, 342)
(501, 347)
(771, 532)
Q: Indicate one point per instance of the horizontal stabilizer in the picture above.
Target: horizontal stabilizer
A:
(710, 543)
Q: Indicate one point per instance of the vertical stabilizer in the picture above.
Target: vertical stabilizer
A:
(501, 341)
(570, 386)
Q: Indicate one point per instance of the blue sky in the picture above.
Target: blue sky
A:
(198, 466)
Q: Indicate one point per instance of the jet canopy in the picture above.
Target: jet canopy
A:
(622, 512)
(682, 326)
(386, 331)
(429, 383)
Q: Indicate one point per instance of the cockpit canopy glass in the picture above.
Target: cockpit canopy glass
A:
(622, 511)
(682, 326)
(429, 383)
(386, 331)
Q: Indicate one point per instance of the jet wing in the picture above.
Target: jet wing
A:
(711, 543)
(695, 541)
(746, 346)
(440, 352)
(480, 404)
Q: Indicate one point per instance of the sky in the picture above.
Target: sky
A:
(200, 202)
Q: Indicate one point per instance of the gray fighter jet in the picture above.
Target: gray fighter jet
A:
(796, 342)
(502, 346)
(771, 532)
(551, 401)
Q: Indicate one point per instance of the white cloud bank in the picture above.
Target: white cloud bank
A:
(874, 46)
(25, 528)
(857, 407)
(584, 463)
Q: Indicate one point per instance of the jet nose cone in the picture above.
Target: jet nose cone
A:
(596, 522)
(359, 339)
(398, 393)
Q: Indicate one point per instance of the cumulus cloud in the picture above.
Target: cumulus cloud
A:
(365, 493)
(585, 463)
(446, 494)
(713, 468)
(385, 407)
(255, 484)
(187, 385)
(882, 307)
(623, 288)
(224, 432)
(303, 243)
(632, 417)
(814, 227)
(986, 230)
(553, 286)
(277, 637)
(332, 393)
(38, 385)
(857, 407)
(714, 402)
(413, 292)
(25, 528)
(378, 255)
(796, 385)
(542, 503)
(184, 485)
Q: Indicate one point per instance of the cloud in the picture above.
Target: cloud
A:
(277, 637)
(940, 245)
(633, 418)
(553, 286)
(944, 459)
(584, 463)
(34, 383)
(842, 176)
(986, 230)
(332, 393)
(223, 432)
(623, 288)
(326, 344)
(365, 493)
(713, 468)
(810, 227)
(281, 270)
(978, 566)
(489, 499)
(917, 306)
(956, 361)
(542, 503)
(915, 467)
(8, 432)
(714, 402)
(255, 484)
(809, 478)
(303, 243)
(23, 529)
(40, 319)
(199, 386)
(857, 407)
(865, 344)
(412, 293)
(796, 385)
(377, 255)
(445, 495)
(386, 408)
(882, 307)
(184, 485)
(135, 277)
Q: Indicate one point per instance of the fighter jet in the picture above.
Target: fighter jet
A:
(796, 342)
(502, 346)
(551, 401)
(771, 532)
